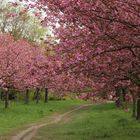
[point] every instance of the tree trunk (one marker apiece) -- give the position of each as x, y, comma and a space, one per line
34, 96
138, 109
6, 99
1, 95
138, 106
46, 95
37, 95
134, 104
119, 96
134, 107
27, 97
123, 94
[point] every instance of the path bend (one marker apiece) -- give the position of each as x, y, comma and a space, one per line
30, 132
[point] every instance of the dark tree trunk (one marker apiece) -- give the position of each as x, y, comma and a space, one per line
134, 107
1, 95
37, 95
6, 99
123, 94
138, 109
46, 95
34, 96
124, 101
134, 104
27, 97
119, 96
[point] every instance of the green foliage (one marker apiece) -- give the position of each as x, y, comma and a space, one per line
24, 25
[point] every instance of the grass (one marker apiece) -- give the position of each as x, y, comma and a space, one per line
99, 122
19, 115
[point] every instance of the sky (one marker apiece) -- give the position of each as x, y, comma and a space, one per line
3, 1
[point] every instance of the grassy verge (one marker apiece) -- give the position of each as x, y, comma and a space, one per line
100, 122
19, 115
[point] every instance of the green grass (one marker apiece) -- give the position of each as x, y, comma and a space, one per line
19, 115
100, 122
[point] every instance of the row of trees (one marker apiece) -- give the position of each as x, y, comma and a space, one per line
24, 53
98, 47
20, 64
99, 39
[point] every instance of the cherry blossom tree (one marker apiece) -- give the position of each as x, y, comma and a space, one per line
20, 63
99, 39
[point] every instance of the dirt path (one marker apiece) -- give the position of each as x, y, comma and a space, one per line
28, 133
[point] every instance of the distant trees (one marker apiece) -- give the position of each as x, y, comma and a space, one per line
24, 67
23, 45
17, 65
21, 24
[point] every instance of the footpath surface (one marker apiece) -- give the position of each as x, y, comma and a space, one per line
30, 132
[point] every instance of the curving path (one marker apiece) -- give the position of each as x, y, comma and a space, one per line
29, 133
